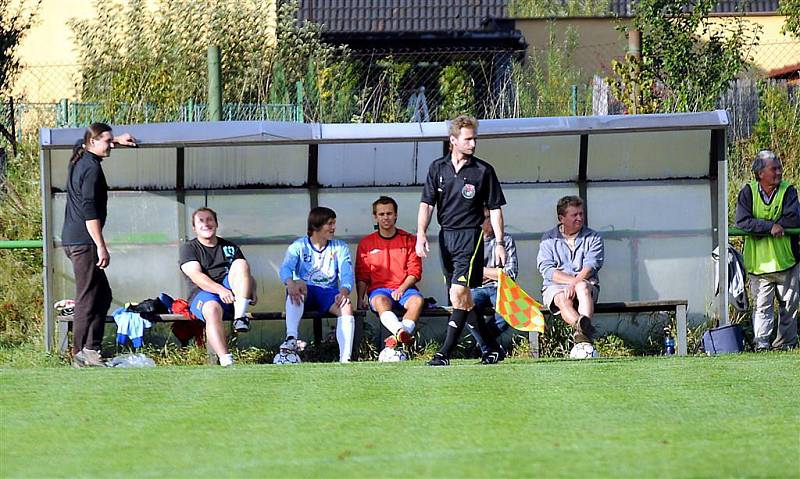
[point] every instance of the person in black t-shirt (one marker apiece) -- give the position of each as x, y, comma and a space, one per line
83, 240
460, 185
220, 282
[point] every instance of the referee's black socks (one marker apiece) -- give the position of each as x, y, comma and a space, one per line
454, 328
488, 334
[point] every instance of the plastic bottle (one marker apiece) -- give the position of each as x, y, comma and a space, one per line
669, 345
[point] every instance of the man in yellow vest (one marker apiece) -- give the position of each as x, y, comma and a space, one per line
766, 207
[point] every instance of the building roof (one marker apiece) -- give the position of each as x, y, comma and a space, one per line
393, 16
401, 15
624, 8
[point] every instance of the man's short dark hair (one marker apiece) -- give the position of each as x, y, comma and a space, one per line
204, 208
384, 200
318, 217
566, 202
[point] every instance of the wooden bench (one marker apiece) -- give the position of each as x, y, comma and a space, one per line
621, 307
678, 306
64, 323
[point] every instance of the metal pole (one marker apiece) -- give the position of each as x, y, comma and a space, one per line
299, 105
214, 84
64, 120
47, 256
635, 55
719, 137
20, 244
12, 119
574, 100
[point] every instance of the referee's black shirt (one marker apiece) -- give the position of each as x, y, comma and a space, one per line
460, 198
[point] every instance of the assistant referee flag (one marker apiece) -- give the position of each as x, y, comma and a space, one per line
516, 306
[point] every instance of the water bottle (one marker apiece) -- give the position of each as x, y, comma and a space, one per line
669, 345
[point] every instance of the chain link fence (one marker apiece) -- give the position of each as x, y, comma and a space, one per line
23, 119
743, 103
403, 86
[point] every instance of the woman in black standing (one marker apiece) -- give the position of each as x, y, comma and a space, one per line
83, 241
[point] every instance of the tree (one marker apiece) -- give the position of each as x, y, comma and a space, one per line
154, 59
558, 8
791, 9
686, 60
16, 18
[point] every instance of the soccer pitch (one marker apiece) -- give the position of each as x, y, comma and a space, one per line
727, 416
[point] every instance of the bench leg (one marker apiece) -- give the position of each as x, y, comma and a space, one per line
680, 321
63, 328
533, 338
317, 331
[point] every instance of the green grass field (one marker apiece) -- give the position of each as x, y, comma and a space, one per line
729, 416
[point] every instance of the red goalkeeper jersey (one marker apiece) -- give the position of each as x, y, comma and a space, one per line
386, 262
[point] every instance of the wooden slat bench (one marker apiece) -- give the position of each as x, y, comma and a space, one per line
678, 306
64, 323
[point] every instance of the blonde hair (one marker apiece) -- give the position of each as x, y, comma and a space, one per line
462, 121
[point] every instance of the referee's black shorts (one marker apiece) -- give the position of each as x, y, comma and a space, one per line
462, 256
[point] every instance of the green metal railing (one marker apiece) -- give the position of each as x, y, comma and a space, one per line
733, 231
20, 244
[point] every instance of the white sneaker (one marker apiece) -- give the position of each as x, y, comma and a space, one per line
226, 360
292, 345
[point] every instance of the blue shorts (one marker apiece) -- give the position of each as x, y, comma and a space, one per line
407, 294
320, 299
202, 297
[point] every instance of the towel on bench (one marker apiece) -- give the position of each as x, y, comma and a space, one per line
130, 326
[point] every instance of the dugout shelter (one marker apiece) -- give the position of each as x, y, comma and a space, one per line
655, 187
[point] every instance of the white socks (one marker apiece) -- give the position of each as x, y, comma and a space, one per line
294, 312
226, 360
389, 321
240, 306
345, 328
409, 325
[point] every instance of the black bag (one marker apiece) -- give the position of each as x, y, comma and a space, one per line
726, 339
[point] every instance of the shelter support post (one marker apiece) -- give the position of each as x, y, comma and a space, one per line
47, 252
718, 151
680, 322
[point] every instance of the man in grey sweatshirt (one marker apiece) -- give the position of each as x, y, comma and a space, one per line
570, 255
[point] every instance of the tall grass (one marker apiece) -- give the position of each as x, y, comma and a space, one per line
21, 292
777, 129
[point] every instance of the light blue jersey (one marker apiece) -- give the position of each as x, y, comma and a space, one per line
330, 267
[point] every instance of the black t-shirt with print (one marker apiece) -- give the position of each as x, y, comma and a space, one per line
215, 261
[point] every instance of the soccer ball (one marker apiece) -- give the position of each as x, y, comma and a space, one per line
583, 351
286, 357
391, 355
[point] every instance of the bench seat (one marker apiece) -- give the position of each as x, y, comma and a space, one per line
620, 307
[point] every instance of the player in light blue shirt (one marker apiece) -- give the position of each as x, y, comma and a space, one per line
318, 273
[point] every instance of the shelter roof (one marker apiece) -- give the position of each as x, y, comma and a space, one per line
275, 132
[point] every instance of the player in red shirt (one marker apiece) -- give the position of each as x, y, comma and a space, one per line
387, 271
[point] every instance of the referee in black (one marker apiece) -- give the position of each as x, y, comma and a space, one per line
460, 185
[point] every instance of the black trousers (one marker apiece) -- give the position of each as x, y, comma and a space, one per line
92, 298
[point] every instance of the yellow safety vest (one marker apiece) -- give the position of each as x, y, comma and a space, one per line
767, 254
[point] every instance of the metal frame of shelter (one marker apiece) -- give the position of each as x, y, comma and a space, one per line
179, 136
